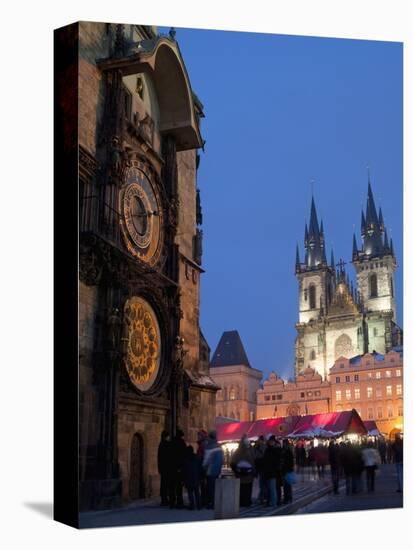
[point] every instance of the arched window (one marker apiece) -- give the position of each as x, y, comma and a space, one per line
373, 285
312, 355
311, 290
232, 394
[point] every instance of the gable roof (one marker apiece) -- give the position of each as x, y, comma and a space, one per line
230, 351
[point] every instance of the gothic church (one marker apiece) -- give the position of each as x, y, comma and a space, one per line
337, 319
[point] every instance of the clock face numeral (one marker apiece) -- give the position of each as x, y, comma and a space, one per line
141, 215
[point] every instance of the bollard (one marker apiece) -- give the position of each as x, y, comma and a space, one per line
226, 498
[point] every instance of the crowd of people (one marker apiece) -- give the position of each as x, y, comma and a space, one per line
274, 463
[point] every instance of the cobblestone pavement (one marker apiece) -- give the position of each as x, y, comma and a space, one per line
385, 496
147, 512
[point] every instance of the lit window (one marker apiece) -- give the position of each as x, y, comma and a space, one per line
356, 393
370, 414
388, 374
390, 412
378, 392
348, 394
398, 372
378, 374
337, 380
347, 378
232, 394
379, 412
369, 375
309, 393
356, 378
338, 395
388, 390
369, 393
398, 389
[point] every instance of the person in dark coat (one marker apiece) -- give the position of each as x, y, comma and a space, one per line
243, 465
287, 468
259, 451
164, 450
333, 458
192, 472
177, 456
202, 442
397, 448
271, 471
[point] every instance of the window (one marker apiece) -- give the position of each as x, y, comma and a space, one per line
342, 365
400, 411
356, 393
391, 287
337, 380
302, 394
388, 391
369, 375
373, 285
369, 392
312, 355
398, 372
356, 378
348, 394
318, 392
267, 397
388, 374
279, 396
338, 395
378, 392
398, 389
378, 375
273, 397
370, 414
374, 331
309, 394
232, 394
305, 294
347, 378
312, 296
379, 412
390, 412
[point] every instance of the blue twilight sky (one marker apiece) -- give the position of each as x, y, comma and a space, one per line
281, 111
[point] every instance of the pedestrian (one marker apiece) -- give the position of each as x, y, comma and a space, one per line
164, 451
397, 448
243, 465
192, 471
371, 460
212, 465
333, 458
356, 467
383, 450
346, 463
259, 451
202, 443
271, 469
321, 459
287, 471
177, 456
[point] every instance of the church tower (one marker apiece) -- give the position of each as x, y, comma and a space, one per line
316, 284
375, 264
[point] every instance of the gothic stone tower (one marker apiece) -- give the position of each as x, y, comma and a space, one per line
143, 364
375, 264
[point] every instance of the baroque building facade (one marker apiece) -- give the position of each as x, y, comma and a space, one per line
238, 381
337, 318
143, 362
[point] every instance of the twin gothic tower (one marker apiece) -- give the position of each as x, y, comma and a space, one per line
337, 319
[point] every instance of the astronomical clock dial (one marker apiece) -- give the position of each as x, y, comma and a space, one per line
143, 343
141, 214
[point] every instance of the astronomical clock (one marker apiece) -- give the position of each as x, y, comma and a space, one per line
141, 214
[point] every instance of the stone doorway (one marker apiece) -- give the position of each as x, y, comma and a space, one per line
136, 479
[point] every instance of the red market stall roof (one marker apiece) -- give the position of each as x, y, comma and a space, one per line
232, 431
329, 425
280, 427
372, 428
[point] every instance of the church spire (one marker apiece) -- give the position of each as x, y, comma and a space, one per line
355, 249
332, 262
372, 227
314, 240
297, 260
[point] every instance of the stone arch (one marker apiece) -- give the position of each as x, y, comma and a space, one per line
343, 347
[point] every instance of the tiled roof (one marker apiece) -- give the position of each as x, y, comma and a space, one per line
230, 351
